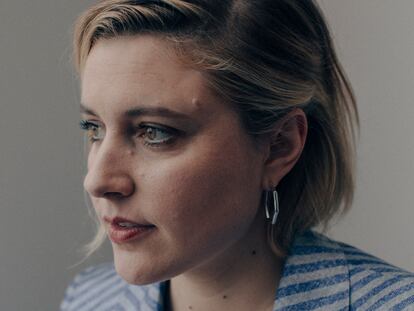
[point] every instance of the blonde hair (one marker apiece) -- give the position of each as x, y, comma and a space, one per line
265, 57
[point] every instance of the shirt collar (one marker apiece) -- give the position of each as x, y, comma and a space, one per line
315, 274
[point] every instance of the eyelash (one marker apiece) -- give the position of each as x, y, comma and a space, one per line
89, 126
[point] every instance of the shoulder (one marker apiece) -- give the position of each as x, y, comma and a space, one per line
101, 288
377, 284
372, 284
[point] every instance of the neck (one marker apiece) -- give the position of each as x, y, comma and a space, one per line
244, 277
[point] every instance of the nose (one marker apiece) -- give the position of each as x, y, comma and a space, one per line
108, 172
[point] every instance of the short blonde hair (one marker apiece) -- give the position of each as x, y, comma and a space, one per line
265, 57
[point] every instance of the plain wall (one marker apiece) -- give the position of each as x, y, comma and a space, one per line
375, 41
43, 218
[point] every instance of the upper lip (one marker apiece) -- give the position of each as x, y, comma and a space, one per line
116, 220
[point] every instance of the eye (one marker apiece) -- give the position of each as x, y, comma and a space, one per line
93, 131
152, 135
155, 135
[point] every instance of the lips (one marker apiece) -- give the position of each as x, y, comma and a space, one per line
118, 221
122, 230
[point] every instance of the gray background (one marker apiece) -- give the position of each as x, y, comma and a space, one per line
43, 218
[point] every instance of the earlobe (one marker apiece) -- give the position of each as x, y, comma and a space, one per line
285, 146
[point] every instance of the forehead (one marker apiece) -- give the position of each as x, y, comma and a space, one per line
140, 69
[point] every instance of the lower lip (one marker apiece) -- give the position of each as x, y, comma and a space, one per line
121, 235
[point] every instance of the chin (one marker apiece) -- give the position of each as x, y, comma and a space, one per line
136, 270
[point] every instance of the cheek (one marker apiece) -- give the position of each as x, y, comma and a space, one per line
205, 193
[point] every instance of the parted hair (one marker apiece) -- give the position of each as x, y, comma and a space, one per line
265, 58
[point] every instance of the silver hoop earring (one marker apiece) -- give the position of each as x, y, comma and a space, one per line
275, 206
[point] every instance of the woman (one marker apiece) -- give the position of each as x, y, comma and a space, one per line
203, 118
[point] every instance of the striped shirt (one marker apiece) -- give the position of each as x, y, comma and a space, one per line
318, 274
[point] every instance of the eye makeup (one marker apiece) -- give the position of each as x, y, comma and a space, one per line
152, 135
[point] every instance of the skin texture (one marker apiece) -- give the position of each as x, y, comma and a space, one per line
201, 191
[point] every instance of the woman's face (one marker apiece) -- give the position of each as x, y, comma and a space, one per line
168, 153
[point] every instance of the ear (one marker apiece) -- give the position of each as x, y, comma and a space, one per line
284, 146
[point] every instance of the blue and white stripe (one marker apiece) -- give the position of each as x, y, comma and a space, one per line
319, 274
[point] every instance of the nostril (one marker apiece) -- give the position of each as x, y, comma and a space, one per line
113, 194
109, 186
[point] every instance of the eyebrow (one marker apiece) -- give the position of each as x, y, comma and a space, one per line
143, 111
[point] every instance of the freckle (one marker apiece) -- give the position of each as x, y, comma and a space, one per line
190, 307
196, 103
224, 297
253, 252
